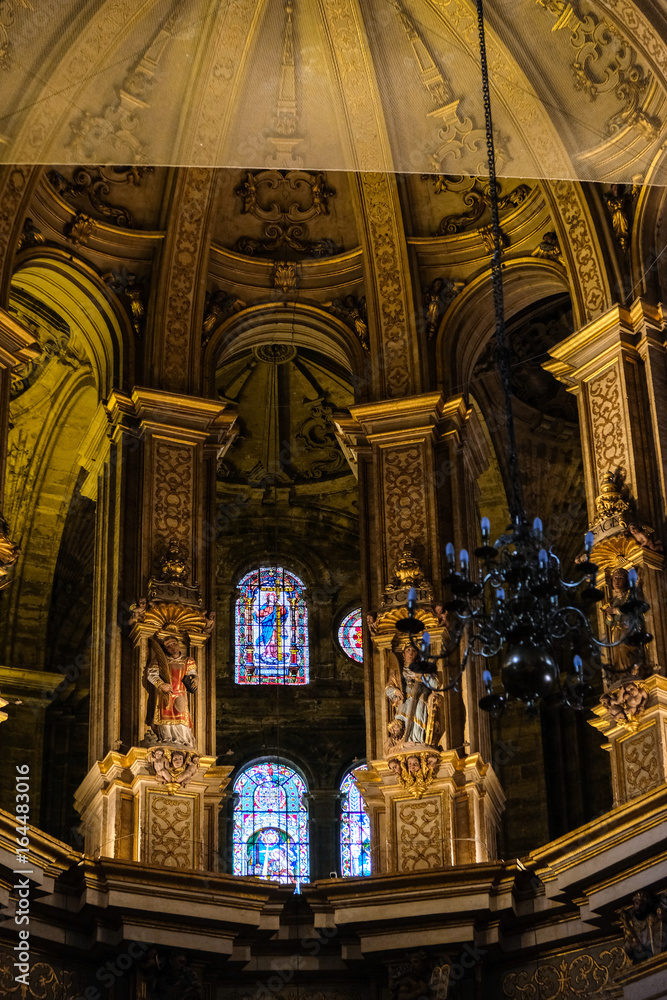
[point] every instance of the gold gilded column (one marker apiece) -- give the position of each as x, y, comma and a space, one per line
617, 368
428, 785
151, 460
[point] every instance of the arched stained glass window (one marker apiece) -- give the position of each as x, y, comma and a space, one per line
271, 628
271, 824
350, 635
355, 830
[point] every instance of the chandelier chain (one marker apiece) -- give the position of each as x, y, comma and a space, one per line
515, 500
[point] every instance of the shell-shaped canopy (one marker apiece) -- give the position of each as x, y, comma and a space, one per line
578, 89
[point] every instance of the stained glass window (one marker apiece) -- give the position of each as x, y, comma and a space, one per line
355, 830
350, 635
271, 627
271, 824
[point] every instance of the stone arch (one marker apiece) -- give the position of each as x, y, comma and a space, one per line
286, 323
648, 274
75, 291
469, 322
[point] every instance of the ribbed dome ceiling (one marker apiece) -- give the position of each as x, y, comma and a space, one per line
579, 90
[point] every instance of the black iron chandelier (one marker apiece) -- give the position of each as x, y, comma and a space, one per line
520, 609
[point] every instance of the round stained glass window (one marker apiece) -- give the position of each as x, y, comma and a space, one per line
350, 635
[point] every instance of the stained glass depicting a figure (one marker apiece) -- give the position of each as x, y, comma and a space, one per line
355, 830
271, 628
271, 824
350, 635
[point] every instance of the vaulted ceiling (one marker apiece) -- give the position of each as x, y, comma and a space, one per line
579, 89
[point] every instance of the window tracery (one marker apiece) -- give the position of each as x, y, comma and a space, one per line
271, 824
350, 635
355, 829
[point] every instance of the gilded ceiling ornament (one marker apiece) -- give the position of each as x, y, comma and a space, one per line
7, 12
275, 354
437, 296
96, 184
549, 249
353, 313
285, 202
284, 277
605, 62
80, 229
219, 306
9, 554
30, 236
620, 204
475, 194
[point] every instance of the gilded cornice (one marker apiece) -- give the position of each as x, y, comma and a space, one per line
156, 410
595, 347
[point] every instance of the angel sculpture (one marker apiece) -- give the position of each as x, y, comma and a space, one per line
172, 675
157, 758
353, 313
437, 297
414, 699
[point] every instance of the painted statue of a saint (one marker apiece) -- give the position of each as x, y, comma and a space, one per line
413, 697
630, 659
171, 675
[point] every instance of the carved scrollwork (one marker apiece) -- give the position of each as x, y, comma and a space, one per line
353, 313
285, 202
582, 976
96, 184
475, 194
605, 62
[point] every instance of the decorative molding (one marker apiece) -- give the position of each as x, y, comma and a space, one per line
96, 184
115, 126
277, 199
640, 762
187, 247
581, 243
405, 514
173, 498
580, 976
385, 236
597, 71
474, 192
457, 136
171, 830
605, 393
7, 14
419, 834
